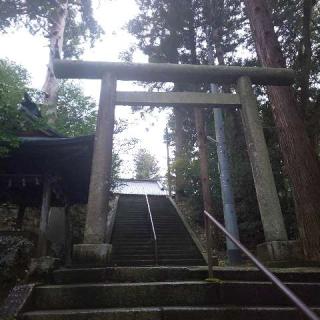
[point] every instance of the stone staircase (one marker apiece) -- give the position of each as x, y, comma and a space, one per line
132, 235
170, 293
164, 292
132, 238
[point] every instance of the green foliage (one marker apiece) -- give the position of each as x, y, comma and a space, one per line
172, 30
76, 113
288, 21
146, 165
13, 81
37, 17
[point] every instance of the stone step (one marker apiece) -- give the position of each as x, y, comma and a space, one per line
174, 243
127, 237
136, 256
133, 217
162, 220
132, 232
179, 259
139, 224
169, 227
123, 250
177, 255
134, 263
134, 245
148, 241
129, 274
173, 240
177, 244
126, 216
145, 224
134, 220
133, 229
138, 227
164, 239
170, 313
177, 231
134, 240
179, 293
142, 246
140, 274
149, 244
123, 236
181, 262
168, 247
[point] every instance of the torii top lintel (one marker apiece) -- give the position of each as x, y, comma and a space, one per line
168, 72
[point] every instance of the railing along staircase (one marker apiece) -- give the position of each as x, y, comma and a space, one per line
209, 219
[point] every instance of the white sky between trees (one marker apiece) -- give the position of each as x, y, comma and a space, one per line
32, 53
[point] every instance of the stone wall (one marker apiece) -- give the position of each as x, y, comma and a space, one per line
30, 224
8, 216
78, 214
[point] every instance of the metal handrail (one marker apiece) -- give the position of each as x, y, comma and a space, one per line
274, 279
155, 242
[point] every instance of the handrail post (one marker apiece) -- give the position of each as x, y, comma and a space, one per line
155, 242
209, 246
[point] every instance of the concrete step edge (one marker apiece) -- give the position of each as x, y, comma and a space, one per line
165, 283
160, 309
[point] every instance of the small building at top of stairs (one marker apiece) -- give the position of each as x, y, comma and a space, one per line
140, 187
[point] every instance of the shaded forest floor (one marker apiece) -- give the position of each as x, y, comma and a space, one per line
194, 217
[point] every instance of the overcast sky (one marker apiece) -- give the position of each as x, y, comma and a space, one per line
32, 53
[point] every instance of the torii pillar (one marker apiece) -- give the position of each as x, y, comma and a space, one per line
276, 246
94, 250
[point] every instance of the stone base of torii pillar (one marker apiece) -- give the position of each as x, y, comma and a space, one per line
95, 254
280, 251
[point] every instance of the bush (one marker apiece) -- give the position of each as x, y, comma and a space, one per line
15, 255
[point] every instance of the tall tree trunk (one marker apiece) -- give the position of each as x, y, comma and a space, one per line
299, 157
203, 157
168, 162
200, 127
179, 153
56, 32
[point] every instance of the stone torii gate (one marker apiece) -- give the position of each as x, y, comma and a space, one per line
94, 249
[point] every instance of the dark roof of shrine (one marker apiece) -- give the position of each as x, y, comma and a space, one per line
66, 159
